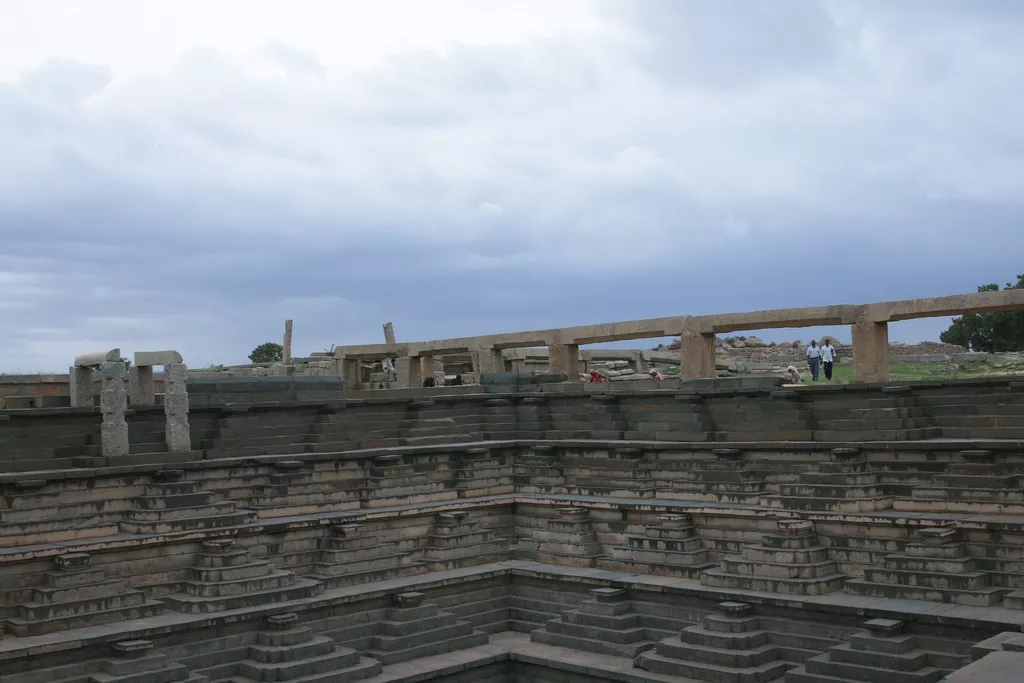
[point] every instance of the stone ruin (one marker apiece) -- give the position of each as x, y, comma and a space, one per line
719, 530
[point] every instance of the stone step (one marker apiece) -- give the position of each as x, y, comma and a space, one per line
192, 604
606, 635
269, 580
217, 575
931, 565
927, 579
22, 627
75, 606
983, 597
576, 642
902, 661
365, 668
343, 658
368, 575
821, 664
734, 564
817, 586
196, 523
675, 648
288, 651
712, 672
428, 649
180, 513
867, 504
724, 640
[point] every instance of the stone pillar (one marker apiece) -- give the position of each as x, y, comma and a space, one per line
487, 360
176, 430
141, 387
697, 350
389, 333
350, 373
871, 351
426, 367
113, 405
286, 353
81, 387
564, 359
408, 370
638, 361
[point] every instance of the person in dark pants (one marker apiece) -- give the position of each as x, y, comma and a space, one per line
828, 357
814, 359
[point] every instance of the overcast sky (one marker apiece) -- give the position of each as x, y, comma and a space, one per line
188, 174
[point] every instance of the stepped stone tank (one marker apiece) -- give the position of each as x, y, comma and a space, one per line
724, 530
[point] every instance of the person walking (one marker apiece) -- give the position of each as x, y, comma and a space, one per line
814, 359
828, 357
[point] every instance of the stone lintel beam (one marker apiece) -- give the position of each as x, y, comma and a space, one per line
151, 358
97, 358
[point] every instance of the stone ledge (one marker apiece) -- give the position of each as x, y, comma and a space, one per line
993, 618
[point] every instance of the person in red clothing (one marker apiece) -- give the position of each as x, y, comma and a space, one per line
596, 376
656, 376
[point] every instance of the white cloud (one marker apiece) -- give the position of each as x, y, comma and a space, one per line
422, 160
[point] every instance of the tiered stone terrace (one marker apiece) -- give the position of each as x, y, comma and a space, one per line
723, 531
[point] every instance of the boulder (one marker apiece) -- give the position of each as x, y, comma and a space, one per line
754, 342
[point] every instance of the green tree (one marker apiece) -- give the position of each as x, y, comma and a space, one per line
269, 352
1000, 331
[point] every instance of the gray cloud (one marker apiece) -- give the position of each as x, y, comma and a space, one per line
699, 157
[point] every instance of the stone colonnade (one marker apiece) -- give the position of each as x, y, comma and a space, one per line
141, 387
869, 323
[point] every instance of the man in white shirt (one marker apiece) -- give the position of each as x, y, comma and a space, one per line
814, 359
828, 357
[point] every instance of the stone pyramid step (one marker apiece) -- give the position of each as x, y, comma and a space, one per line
711, 672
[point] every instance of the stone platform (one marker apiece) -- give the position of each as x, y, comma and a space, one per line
329, 541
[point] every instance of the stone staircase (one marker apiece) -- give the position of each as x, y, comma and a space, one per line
728, 476
47, 511
783, 417
539, 470
77, 595
936, 568
729, 645
567, 538
882, 652
844, 484
622, 472
683, 419
482, 472
983, 482
391, 481
135, 662
605, 624
790, 561
288, 652
295, 488
413, 629
351, 556
172, 504
597, 418
457, 541
671, 547
226, 578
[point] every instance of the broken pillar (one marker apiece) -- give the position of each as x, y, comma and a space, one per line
81, 387
389, 333
487, 359
407, 368
141, 388
697, 350
349, 371
871, 351
113, 406
286, 351
564, 359
176, 429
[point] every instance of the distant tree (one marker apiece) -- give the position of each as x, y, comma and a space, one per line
270, 352
1001, 331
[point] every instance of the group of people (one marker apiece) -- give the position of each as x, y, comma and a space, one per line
818, 358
